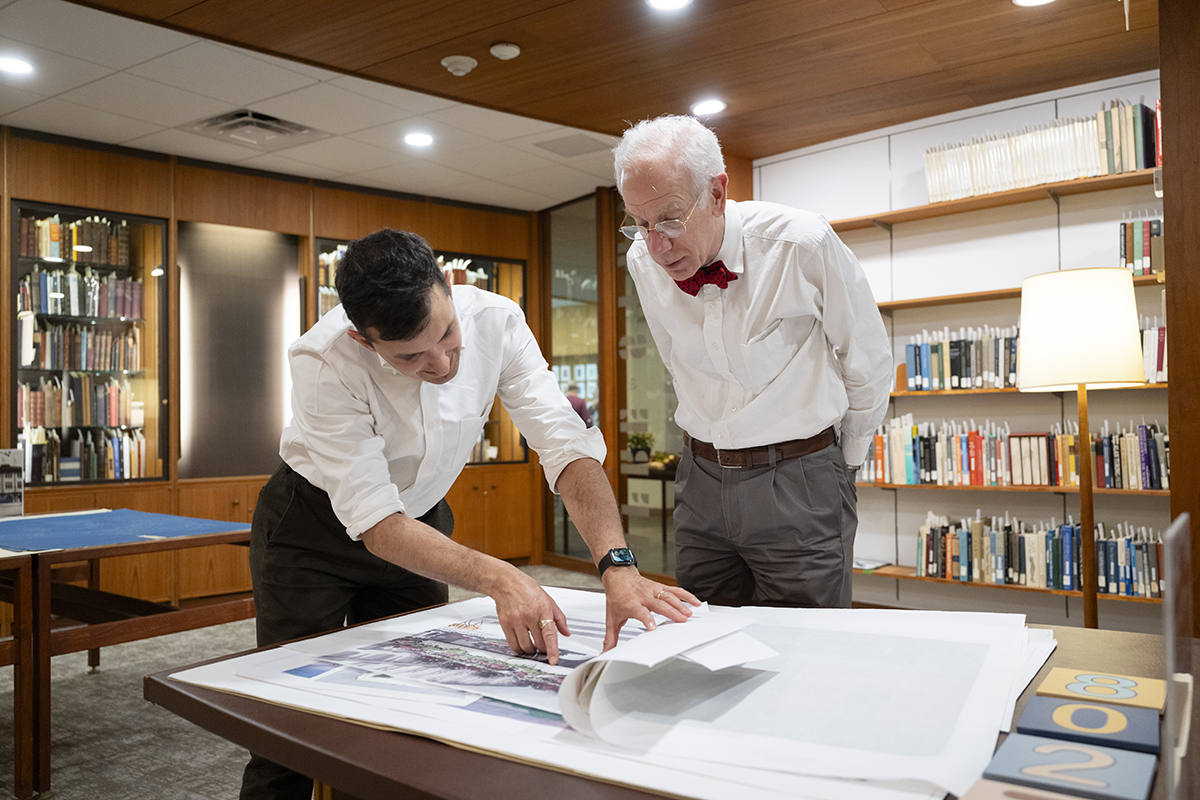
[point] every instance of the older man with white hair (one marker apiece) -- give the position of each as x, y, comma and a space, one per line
781, 363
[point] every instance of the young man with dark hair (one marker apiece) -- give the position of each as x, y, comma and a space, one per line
390, 393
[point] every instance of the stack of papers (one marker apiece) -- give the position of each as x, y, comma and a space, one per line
749, 702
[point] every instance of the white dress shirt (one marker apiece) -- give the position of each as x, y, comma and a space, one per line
793, 346
379, 442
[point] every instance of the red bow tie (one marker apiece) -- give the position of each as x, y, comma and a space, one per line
714, 273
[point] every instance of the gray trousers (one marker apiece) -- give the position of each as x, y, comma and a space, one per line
778, 536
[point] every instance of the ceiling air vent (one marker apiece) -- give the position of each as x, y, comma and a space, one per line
577, 144
252, 129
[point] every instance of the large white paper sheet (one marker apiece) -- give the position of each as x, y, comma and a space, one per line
863, 704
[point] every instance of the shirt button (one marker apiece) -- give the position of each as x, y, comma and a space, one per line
733, 408
712, 304
720, 436
714, 345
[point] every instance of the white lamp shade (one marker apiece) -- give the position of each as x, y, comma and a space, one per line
1079, 326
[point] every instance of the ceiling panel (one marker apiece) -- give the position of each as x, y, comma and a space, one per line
221, 72
133, 96
69, 119
86, 34
793, 73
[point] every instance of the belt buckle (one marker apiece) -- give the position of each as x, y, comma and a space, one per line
722, 464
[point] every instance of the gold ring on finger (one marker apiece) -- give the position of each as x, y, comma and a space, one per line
543, 623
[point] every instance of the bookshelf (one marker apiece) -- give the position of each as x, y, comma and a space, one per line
1032, 502
88, 347
1026, 194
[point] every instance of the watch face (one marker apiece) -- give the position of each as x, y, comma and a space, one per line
622, 557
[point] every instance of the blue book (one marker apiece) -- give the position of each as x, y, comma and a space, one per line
964, 555
1052, 581
1101, 567
1044, 763
1132, 581
910, 360
44, 280
925, 372
1110, 547
1126, 727
1068, 558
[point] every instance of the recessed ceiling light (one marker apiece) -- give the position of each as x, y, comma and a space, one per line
156, 272
418, 139
1031, 2
668, 5
706, 107
15, 65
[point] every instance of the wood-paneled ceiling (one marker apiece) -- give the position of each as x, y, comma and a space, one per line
794, 72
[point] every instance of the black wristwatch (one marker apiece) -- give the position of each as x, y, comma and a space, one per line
617, 557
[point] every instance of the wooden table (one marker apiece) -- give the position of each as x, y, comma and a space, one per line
104, 619
374, 764
16, 587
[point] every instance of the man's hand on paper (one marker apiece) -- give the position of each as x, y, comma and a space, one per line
530, 618
633, 597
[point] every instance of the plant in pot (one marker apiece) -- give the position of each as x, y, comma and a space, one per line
640, 445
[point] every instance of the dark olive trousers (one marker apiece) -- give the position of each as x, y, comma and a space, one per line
310, 577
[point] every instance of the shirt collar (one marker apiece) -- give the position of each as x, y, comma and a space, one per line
731, 246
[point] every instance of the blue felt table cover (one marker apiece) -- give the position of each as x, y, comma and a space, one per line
121, 526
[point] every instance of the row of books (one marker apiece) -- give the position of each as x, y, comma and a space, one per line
1006, 551
327, 264
1141, 245
1154, 350
80, 347
92, 240
977, 358
327, 299
91, 454
92, 294
1120, 138
1129, 136
963, 454
84, 401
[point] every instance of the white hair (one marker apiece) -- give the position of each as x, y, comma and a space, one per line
672, 140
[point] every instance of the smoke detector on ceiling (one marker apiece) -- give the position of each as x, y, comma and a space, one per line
252, 129
505, 51
459, 65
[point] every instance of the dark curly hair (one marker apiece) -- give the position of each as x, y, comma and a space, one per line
384, 281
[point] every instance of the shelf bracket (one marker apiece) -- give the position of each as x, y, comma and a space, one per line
887, 226
1053, 196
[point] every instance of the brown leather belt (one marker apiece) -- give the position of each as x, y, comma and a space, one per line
760, 456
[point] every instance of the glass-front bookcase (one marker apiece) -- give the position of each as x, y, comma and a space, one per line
89, 347
500, 441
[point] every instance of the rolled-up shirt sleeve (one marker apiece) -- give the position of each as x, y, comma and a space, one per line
340, 442
855, 332
541, 411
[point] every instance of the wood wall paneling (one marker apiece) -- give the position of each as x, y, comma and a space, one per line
7, 306
50, 172
342, 214
246, 201
1180, 80
741, 178
480, 232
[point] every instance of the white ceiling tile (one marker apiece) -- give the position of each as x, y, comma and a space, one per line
495, 125
343, 155
599, 165
529, 144
487, 159
11, 99
556, 181
329, 108
52, 72
495, 194
131, 96
404, 99
85, 33
273, 162
316, 73
415, 177
190, 145
224, 73
69, 119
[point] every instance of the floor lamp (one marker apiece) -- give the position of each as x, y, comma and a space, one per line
1079, 330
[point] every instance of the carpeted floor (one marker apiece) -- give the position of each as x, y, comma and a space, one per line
110, 744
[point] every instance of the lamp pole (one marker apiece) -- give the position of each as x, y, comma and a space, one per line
1087, 527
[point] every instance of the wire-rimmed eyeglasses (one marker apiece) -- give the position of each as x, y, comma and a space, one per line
670, 228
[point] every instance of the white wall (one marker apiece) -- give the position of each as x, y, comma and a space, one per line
977, 251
